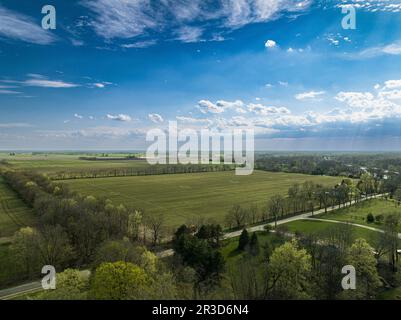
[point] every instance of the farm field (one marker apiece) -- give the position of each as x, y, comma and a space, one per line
14, 214
357, 213
180, 197
53, 163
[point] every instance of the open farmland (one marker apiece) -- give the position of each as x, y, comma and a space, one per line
56, 163
14, 214
182, 196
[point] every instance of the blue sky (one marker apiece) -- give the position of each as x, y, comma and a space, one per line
114, 69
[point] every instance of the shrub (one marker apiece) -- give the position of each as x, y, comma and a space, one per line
370, 218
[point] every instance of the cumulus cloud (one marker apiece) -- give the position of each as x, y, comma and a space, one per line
206, 106
119, 117
270, 44
78, 116
392, 84
356, 99
263, 110
156, 118
309, 95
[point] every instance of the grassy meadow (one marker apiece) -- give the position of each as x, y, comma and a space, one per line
358, 212
179, 197
310, 227
55, 163
14, 213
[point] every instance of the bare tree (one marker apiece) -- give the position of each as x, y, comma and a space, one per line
236, 216
156, 225
275, 206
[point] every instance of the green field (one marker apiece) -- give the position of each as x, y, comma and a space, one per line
14, 214
357, 213
309, 227
54, 163
182, 196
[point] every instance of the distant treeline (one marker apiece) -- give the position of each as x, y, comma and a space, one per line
110, 158
138, 171
347, 165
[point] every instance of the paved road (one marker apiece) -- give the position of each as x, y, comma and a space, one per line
261, 227
31, 287
36, 286
350, 223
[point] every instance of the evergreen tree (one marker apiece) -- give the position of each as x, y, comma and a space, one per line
254, 245
243, 240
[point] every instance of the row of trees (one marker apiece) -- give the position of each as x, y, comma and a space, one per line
71, 227
304, 197
138, 171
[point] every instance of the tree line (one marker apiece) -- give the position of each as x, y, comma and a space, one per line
138, 171
305, 197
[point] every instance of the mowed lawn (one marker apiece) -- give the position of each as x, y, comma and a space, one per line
182, 196
14, 213
358, 213
310, 227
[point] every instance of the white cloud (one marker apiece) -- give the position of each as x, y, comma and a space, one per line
187, 18
17, 26
193, 120
206, 106
119, 117
78, 116
283, 83
44, 83
270, 44
156, 118
15, 125
263, 110
309, 95
139, 44
356, 99
120, 18
189, 34
392, 84
2, 91
390, 49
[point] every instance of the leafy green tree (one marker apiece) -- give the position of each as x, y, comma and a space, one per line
243, 240
71, 284
25, 251
119, 281
361, 257
289, 273
54, 247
